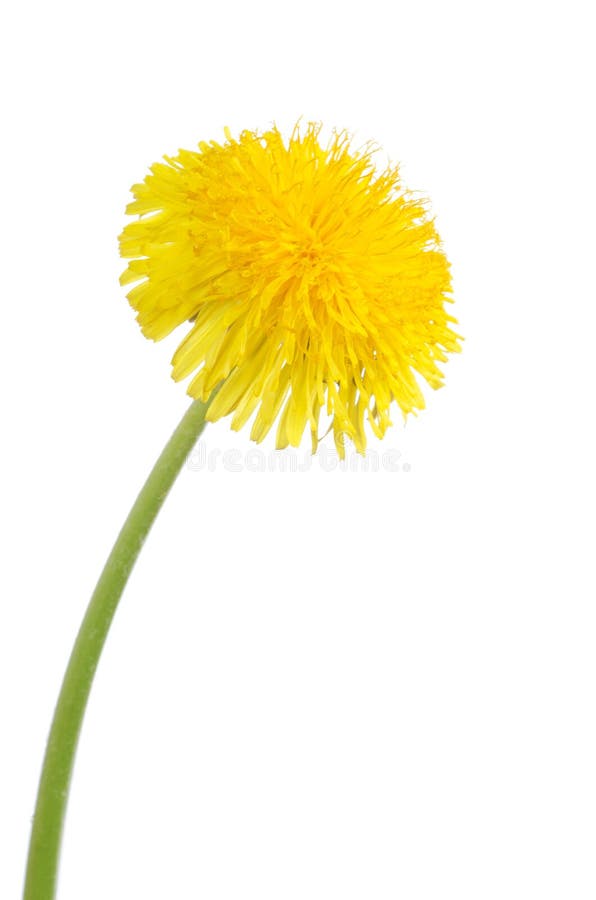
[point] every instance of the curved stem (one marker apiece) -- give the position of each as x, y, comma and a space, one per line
52, 796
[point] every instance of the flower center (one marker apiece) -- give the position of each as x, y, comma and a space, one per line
311, 254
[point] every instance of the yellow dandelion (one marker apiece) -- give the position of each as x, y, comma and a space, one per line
313, 283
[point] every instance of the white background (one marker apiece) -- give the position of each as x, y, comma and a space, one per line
320, 684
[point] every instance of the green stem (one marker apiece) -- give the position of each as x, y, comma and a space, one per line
52, 796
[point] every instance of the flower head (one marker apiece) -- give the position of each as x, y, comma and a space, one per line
312, 282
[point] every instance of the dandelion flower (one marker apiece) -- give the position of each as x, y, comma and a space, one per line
314, 284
